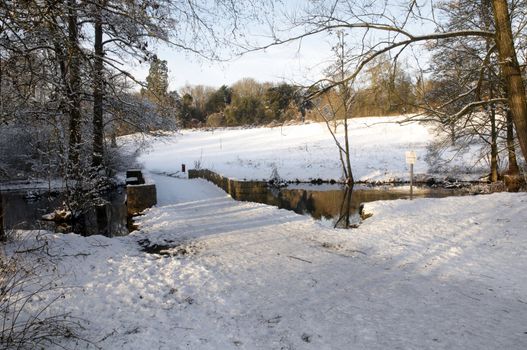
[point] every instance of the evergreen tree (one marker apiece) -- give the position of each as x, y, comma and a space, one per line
157, 80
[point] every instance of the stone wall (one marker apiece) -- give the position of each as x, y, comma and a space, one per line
139, 196
254, 191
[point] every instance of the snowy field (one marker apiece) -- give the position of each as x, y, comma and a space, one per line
423, 274
308, 151
220, 274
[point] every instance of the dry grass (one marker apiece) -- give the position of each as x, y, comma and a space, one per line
30, 298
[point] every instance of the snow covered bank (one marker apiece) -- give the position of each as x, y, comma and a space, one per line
427, 274
306, 152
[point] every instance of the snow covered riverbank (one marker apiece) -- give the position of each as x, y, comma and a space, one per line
424, 274
308, 151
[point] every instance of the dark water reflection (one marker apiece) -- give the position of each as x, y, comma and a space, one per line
24, 210
339, 205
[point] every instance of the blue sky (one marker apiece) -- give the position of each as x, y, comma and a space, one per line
296, 62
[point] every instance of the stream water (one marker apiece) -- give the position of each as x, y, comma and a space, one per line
336, 204
24, 209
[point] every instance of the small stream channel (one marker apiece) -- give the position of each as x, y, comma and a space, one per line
333, 204
23, 209
337, 205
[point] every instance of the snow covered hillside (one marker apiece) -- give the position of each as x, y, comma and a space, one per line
307, 152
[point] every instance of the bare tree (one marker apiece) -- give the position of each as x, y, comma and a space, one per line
466, 73
62, 64
98, 86
390, 27
511, 70
341, 108
71, 66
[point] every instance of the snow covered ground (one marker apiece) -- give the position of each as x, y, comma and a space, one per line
207, 272
308, 151
423, 274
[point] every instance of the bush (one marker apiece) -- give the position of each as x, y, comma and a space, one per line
216, 120
27, 297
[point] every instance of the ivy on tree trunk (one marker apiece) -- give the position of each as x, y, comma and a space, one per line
511, 71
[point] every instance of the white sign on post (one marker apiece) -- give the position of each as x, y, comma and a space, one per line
410, 157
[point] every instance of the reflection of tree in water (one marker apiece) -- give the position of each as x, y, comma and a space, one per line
345, 209
23, 212
318, 204
341, 205
337, 205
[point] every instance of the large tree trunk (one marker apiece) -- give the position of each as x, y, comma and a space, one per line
487, 21
74, 86
493, 147
2, 232
98, 92
512, 177
513, 164
511, 71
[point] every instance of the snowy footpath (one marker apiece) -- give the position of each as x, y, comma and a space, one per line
423, 274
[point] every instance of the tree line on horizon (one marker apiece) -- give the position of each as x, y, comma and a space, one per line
249, 102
